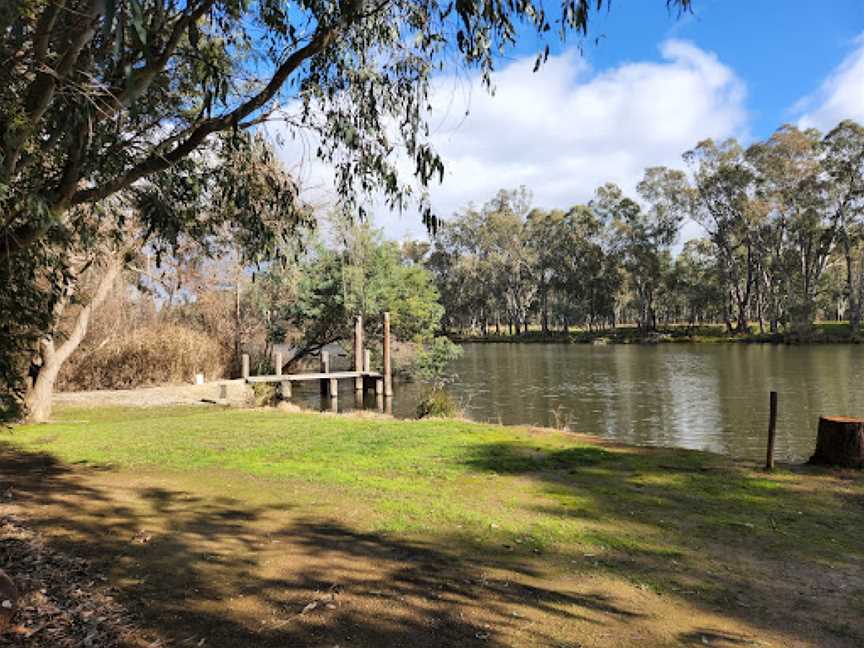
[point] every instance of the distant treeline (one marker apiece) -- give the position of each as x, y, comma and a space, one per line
783, 245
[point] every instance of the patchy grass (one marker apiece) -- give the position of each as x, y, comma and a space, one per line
716, 535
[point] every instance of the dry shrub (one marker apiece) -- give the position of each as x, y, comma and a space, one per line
150, 355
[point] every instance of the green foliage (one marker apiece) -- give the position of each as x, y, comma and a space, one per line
784, 224
320, 294
433, 360
438, 403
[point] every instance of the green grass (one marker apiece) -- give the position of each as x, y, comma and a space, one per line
480, 483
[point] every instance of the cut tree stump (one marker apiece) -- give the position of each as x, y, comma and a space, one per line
840, 442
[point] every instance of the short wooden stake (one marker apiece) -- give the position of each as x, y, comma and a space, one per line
286, 389
245, 369
772, 431
278, 366
388, 378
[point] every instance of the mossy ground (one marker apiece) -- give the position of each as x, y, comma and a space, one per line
662, 546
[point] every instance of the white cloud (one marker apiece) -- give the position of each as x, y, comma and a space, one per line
565, 130
841, 95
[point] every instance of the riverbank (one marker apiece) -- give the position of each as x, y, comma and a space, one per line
224, 527
823, 333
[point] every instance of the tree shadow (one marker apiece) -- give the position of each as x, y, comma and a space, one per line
229, 573
782, 555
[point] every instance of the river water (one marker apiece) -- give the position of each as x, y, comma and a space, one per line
700, 396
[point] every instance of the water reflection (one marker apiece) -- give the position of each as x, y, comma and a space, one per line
702, 396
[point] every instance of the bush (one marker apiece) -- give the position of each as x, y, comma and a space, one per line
437, 403
265, 394
151, 355
433, 361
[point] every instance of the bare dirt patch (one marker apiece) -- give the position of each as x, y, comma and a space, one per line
185, 394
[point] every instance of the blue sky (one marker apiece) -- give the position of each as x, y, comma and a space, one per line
643, 88
781, 49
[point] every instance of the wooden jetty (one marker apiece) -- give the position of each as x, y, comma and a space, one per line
364, 378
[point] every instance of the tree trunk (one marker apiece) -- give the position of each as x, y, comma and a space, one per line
840, 442
39, 397
545, 321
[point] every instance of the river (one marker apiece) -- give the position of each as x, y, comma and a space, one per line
699, 396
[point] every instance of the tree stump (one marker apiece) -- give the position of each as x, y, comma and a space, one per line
8, 600
840, 442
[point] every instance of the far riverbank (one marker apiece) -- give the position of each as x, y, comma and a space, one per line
822, 333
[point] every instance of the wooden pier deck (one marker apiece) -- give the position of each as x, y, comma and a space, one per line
364, 378
337, 375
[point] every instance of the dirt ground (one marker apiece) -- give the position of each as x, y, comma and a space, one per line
187, 394
196, 567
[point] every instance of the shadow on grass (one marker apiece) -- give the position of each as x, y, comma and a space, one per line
782, 553
219, 572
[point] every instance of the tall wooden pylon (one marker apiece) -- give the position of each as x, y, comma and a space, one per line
358, 352
388, 378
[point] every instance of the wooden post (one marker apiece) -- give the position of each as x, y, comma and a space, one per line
287, 391
772, 431
334, 388
358, 351
379, 386
325, 368
245, 370
388, 378
367, 361
278, 364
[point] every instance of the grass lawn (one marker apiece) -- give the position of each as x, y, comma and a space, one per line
267, 528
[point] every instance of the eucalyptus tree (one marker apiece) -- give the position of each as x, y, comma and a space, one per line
544, 231
727, 208
844, 164
240, 193
795, 190
510, 258
698, 281
643, 236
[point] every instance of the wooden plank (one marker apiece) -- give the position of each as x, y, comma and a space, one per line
338, 375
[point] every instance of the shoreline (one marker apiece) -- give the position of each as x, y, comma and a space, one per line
823, 334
